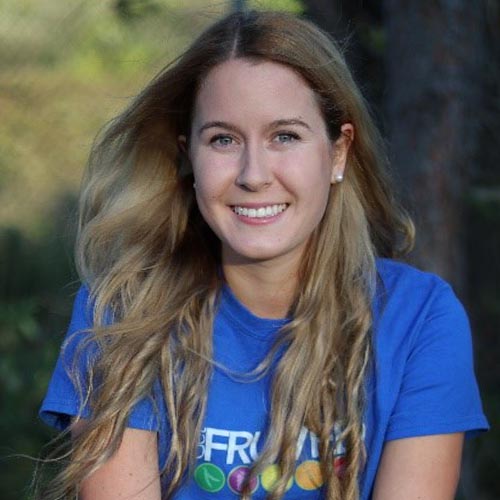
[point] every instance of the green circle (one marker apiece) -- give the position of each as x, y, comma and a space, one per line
209, 477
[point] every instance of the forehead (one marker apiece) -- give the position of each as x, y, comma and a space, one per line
241, 88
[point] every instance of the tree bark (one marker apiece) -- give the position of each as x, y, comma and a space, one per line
433, 63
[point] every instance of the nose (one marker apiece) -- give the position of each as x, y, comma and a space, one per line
255, 173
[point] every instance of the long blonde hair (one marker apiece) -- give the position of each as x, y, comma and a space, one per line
147, 255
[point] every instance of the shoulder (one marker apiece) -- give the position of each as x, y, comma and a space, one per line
414, 308
404, 289
396, 274
82, 315
79, 342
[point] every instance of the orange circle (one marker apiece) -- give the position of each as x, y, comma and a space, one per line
308, 475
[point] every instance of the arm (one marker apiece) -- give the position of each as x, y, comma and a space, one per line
420, 468
132, 473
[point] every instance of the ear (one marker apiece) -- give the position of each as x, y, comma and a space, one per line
341, 149
182, 143
185, 167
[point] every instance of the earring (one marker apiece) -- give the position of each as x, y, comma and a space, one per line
338, 178
194, 185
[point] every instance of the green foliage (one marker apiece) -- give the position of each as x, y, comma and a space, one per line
67, 68
34, 308
130, 10
295, 6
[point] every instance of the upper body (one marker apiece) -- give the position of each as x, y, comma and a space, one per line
233, 225
421, 383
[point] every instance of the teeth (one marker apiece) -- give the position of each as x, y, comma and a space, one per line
269, 211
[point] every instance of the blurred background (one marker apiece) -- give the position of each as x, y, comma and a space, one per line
430, 71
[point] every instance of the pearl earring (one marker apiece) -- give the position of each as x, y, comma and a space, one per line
338, 178
194, 185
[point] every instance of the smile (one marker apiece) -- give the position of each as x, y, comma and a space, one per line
261, 212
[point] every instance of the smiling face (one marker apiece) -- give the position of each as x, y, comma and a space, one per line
262, 160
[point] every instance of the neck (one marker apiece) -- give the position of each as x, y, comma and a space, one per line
266, 289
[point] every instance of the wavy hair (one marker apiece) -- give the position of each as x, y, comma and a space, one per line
147, 255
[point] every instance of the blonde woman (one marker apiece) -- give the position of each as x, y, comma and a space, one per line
242, 330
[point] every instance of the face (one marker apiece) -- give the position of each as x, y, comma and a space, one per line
262, 160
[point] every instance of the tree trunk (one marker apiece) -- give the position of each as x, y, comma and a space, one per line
433, 62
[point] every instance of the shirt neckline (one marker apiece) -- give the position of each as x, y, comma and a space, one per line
246, 321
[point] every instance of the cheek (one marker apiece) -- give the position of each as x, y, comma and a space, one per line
212, 175
206, 179
309, 175
212, 188
209, 187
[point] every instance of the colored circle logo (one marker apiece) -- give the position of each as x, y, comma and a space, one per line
237, 477
308, 475
270, 476
209, 477
339, 465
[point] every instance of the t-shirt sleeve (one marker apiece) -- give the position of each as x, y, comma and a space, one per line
439, 393
64, 399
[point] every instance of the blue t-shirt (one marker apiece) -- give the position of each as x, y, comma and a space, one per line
421, 382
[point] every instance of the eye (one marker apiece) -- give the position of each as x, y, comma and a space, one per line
222, 140
286, 137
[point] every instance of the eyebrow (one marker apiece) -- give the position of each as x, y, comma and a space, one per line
276, 123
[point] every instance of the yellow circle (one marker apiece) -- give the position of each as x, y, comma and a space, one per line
270, 476
308, 475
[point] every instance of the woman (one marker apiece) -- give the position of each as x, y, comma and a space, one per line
242, 330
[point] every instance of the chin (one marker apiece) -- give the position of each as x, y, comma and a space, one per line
254, 255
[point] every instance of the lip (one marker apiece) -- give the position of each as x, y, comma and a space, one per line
258, 221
